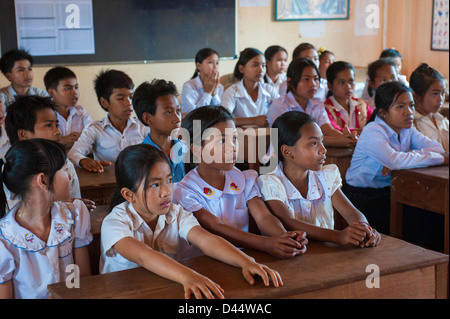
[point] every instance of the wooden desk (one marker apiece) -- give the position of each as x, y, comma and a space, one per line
444, 110
97, 186
325, 271
425, 188
341, 157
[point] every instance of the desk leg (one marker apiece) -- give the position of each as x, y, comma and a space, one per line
396, 218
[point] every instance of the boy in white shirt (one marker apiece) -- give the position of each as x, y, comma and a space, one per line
61, 84
17, 66
110, 135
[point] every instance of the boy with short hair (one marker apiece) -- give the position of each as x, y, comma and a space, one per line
117, 130
35, 117
156, 105
17, 66
61, 84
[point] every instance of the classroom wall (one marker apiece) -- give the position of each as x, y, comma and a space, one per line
257, 28
409, 31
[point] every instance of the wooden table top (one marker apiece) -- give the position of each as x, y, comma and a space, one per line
89, 179
323, 266
435, 172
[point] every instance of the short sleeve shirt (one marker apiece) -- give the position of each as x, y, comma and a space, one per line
169, 237
31, 263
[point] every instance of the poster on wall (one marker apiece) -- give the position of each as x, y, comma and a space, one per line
288, 10
439, 31
55, 27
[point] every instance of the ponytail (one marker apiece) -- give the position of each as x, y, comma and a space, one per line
24, 160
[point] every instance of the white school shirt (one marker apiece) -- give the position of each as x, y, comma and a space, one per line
106, 141
169, 237
78, 119
4, 141
31, 263
425, 126
229, 204
237, 101
321, 93
8, 95
349, 117
281, 79
317, 207
193, 95
287, 102
378, 146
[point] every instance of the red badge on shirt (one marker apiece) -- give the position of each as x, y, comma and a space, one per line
234, 187
208, 191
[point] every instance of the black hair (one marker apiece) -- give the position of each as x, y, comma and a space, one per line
295, 70
245, 56
387, 94
272, 50
209, 116
8, 59
202, 55
145, 95
26, 159
288, 125
322, 54
422, 78
22, 114
108, 80
132, 167
374, 66
301, 47
390, 53
56, 74
333, 71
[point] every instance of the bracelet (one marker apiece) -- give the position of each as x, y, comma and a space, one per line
366, 223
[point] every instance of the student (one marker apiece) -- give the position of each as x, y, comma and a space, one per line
145, 229
117, 130
249, 99
343, 109
308, 51
303, 81
397, 57
326, 58
378, 73
204, 87
428, 87
61, 84
4, 140
35, 117
156, 106
388, 142
221, 196
43, 234
276, 64
302, 192
17, 66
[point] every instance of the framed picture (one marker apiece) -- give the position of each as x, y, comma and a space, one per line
288, 10
439, 30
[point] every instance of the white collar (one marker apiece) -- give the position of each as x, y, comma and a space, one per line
314, 189
234, 184
60, 229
